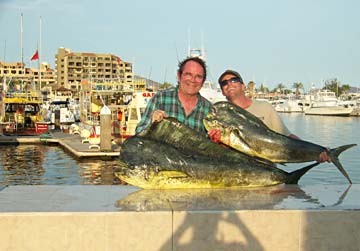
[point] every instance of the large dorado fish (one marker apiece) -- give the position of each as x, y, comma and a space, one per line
171, 155
246, 133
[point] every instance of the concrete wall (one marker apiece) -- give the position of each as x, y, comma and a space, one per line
289, 230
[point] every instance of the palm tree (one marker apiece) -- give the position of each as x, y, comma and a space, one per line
298, 86
280, 87
165, 85
344, 89
263, 88
251, 87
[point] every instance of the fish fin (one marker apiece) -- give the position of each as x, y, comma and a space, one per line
238, 135
173, 174
342, 197
334, 156
294, 176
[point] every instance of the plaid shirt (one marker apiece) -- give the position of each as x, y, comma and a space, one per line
168, 101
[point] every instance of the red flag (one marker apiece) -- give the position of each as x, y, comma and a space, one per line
35, 56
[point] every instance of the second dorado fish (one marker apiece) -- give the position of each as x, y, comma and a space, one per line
246, 133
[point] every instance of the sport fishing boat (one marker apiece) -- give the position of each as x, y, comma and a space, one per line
126, 106
324, 102
212, 94
22, 115
60, 112
289, 104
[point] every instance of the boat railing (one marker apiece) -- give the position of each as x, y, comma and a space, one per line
30, 96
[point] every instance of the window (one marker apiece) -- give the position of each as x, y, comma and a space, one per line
133, 114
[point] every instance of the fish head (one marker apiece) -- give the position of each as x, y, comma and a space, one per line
233, 125
217, 118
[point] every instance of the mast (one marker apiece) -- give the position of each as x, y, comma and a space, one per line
203, 57
189, 47
3, 91
22, 38
40, 54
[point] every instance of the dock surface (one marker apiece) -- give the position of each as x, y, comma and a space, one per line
290, 218
72, 143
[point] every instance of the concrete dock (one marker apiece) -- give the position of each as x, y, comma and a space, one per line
290, 218
71, 143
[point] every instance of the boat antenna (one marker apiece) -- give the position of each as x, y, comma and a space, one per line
133, 73
5, 52
165, 74
177, 53
21, 40
202, 47
102, 100
40, 53
189, 47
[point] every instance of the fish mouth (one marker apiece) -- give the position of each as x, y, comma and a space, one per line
210, 124
211, 114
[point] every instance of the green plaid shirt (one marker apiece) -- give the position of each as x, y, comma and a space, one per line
168, 101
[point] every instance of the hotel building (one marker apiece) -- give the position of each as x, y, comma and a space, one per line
74, 67
17, 74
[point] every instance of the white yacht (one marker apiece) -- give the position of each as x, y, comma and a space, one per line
324, 102
212, 94
287, 105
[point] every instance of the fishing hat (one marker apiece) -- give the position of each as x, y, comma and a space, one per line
235, 73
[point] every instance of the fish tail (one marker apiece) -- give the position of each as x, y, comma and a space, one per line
334, 156
294, 176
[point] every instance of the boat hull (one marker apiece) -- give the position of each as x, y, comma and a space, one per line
329, 111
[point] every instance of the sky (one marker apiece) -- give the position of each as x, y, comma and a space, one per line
269, 42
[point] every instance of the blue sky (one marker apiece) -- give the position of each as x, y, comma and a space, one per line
271, 42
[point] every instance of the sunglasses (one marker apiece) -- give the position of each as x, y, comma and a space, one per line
231, 80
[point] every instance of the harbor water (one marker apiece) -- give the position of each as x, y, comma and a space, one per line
50, 165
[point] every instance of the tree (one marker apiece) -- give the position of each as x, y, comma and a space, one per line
263, 88
251, 87
165, 85
332, 85
335, 86
298, 86
344, 89
280, 87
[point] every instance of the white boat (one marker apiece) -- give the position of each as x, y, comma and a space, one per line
289, 103
133, 113
127, 108
59, 113
324, 102
286, 105
329, 111
211, 94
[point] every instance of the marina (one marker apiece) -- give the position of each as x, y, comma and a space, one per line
55, 188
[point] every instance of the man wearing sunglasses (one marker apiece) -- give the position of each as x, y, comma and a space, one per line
183, 102
233, 88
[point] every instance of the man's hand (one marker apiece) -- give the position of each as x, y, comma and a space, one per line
215, 135
323, 157
158, 115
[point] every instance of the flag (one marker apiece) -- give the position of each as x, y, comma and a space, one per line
35, 56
